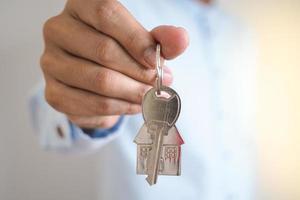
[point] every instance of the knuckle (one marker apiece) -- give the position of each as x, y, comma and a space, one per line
103, 79
104, 107
45, 61
134, 37
104, 48
107, 9
146, 75
51, 26
130, 109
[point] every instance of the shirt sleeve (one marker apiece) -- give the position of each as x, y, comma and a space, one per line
56, 133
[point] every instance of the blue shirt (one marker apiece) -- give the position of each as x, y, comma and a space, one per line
215, 78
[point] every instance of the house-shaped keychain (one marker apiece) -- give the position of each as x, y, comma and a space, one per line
170, 154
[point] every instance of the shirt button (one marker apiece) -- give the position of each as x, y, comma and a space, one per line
60, 132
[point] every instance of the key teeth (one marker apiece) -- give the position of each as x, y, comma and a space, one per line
148, 179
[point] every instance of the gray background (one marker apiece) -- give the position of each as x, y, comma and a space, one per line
26, 172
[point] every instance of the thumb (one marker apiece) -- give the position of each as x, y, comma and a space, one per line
173, 40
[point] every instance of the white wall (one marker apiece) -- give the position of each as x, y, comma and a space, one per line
277, 24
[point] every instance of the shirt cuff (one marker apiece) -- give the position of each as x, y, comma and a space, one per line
96, 133
56, 133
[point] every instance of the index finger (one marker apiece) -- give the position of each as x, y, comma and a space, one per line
112, 18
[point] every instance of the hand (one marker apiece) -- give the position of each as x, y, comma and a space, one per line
99, 61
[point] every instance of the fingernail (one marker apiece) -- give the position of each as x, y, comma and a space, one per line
150, 57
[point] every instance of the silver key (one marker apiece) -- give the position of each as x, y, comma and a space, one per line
160, 114
161, 107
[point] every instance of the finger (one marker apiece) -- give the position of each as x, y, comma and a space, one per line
79, 102
86, 75
113, 19
94, 121
85, 42
173, 40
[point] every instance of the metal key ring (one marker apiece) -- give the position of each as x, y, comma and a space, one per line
159, 70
